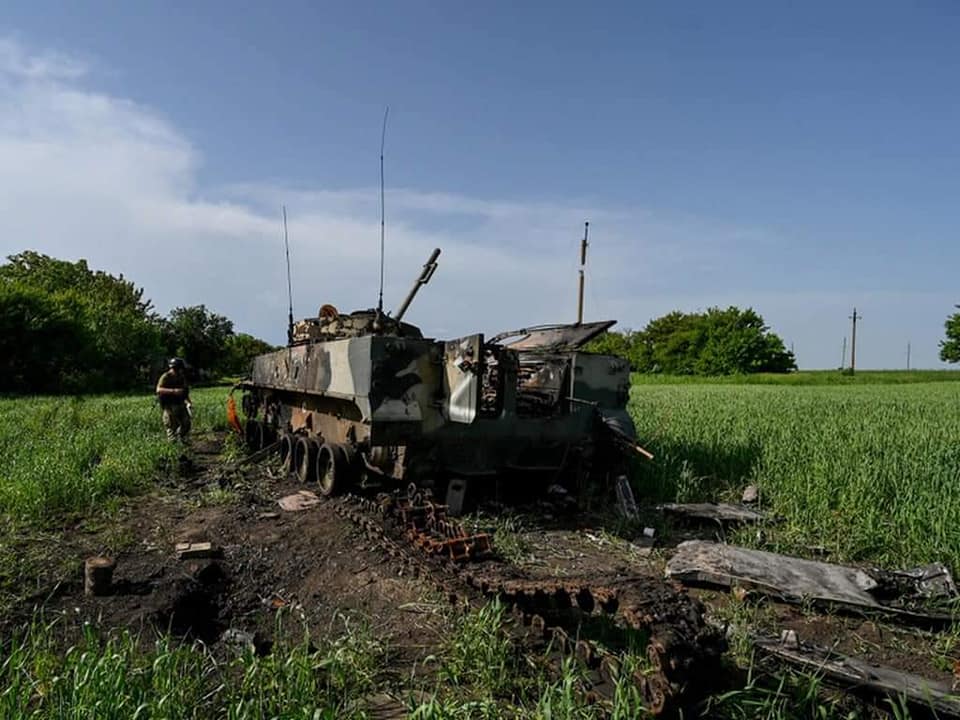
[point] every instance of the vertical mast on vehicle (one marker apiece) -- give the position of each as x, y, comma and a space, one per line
286, 245
383, 138
583, 264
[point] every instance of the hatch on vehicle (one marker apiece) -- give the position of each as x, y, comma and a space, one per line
463, 368
554, 338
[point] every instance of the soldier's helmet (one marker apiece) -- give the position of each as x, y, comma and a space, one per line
175, 363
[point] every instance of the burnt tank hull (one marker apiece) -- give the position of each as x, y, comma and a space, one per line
401, 408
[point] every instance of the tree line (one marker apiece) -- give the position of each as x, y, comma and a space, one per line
67, 328
721, 342
714, 342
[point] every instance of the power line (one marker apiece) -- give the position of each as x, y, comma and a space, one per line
853, 341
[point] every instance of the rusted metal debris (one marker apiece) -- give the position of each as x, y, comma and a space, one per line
862, 677
429, 528
682, 648
794, 580
717, 512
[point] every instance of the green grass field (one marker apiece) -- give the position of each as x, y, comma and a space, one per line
807, 377
869, 471
67, 454
867, 467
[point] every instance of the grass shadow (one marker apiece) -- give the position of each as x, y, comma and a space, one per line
694, 472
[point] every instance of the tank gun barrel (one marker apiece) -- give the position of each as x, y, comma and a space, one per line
428, 269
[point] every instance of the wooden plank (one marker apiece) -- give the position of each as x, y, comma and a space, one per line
193, 550
789, 578
719, 512
858, 675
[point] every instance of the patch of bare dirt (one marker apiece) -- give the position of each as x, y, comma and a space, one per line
560, 552
312, 564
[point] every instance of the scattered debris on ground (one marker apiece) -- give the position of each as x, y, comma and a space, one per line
898, 594
223, 572
298, 501
862, 677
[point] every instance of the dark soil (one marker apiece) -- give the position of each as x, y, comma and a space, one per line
318, 569
313, 565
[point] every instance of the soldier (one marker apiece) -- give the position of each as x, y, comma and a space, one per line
174, 397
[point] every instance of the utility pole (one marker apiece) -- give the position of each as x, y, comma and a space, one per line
583, 264
853, 341
908, 355
843, 354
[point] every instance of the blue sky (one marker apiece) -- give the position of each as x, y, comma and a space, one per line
801, 158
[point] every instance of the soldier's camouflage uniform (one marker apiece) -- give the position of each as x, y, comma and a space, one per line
176, 419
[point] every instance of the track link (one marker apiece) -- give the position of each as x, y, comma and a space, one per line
680, 648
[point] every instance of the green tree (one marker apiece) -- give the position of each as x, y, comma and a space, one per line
737, 342
103, 334
240, 350
671, 344
42, 341
716, 342
950, 347
199, 336
54, 276
613, 343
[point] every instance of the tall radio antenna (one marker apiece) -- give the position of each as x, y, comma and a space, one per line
583, 264
286, 245
383, 138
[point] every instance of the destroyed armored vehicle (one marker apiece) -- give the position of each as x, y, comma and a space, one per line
364, 399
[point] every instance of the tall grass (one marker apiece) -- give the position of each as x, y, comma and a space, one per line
806, 377
481, 673
871, 472
121, 677
61, 454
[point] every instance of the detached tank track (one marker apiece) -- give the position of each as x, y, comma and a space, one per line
682, 651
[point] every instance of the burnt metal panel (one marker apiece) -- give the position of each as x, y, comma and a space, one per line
600, 379
462, 373
554, 338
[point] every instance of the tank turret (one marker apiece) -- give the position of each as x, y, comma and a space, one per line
331, 325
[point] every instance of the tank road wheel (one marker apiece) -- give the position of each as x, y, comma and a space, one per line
326, 470
251, 435
335, 468
265, 435
305, 458
287, 442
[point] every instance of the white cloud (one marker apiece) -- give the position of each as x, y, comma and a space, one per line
16, 62
85, 174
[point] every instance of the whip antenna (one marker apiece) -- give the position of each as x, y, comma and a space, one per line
286, 245
583, 265
383, 137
